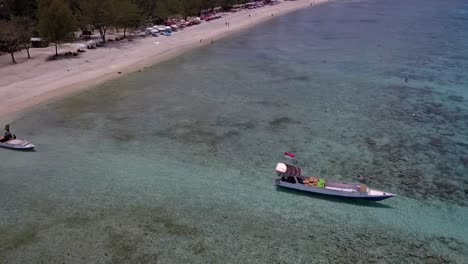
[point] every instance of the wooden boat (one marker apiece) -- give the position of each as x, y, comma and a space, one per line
19, 144
291, 177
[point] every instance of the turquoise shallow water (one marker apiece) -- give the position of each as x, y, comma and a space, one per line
175, 164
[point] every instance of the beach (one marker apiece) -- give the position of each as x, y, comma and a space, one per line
32, 82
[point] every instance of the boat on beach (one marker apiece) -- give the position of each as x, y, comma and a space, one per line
19, 144
292, 177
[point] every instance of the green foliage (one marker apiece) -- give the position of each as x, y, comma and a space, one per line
146, 6
191, 7
15, 34
228, 3
4, 10
99, 14
55, 21
127, 14
208, 4
8, 39
166, 8
18, 8
25, 27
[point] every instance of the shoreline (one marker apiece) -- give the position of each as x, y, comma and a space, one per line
34, 82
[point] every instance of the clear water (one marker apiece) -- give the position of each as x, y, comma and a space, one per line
175, 164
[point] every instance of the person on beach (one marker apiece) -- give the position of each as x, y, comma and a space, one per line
406, 79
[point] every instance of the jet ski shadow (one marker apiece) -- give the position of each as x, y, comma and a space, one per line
23, 150
336, 199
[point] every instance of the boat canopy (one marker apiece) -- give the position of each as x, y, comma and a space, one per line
288, 170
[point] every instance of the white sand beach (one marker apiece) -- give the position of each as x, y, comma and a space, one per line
35, 81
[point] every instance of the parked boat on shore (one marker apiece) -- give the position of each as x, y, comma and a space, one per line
292, 177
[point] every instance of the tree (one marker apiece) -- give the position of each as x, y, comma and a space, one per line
165, 8
5, 9
209, 4
25, 27
146, 6
190, 7
127, 14
18, 8
98, 13
55, 21
9, 38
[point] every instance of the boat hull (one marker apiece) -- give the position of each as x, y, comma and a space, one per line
324, 191
18, 144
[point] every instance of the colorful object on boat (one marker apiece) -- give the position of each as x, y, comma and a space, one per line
321, 183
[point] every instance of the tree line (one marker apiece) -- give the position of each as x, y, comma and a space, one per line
57, 20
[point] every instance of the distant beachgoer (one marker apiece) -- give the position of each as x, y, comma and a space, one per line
212, 42
249, 15
406, 79
200, 40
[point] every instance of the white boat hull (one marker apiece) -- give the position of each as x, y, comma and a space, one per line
19, 144
373, 195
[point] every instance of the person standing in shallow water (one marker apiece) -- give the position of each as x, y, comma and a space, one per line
406, 79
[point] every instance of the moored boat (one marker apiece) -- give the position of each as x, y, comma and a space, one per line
292, 177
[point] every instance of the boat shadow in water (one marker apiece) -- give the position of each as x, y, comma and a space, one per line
19, 150
27, 150
336, 199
